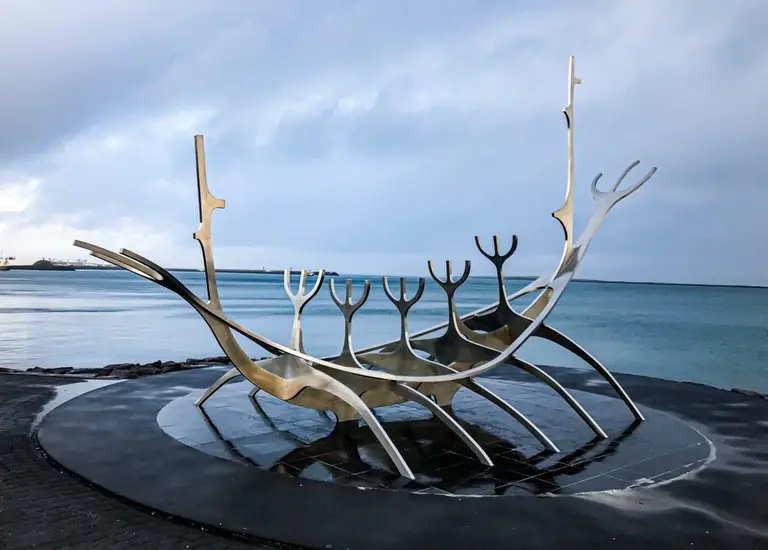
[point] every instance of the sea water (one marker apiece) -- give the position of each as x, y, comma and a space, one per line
712, 335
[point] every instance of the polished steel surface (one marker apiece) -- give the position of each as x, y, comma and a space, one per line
403, 359
462, 348
299, 300
347, 357
352, 383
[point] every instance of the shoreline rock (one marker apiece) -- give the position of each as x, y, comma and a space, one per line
124, 370
750, 393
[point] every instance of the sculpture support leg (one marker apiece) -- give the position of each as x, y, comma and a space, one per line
565, 394
231, 373
557, 337
352, 399
447, 419
517, 415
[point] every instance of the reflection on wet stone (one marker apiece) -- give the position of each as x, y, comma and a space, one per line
270, 434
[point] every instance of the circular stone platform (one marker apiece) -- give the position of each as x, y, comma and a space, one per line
270, 434
275, 471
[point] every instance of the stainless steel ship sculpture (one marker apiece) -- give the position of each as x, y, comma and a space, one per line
355, 381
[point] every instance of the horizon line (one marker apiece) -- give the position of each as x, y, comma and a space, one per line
245, 271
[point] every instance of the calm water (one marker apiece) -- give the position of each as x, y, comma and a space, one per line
716, 336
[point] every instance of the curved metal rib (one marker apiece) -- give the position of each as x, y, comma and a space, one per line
532, 428
404, 359
555, 288
342, 382
566, 343
564, 215
565, 394
347, 357
344, 393
173, 284
460, 345
447, 419
318, 380
505, 324
300, 301
475, 339
216, 386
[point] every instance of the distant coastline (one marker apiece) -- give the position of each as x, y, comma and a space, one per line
614, 282
45, 265
703, 285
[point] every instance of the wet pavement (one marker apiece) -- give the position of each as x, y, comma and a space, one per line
44, 508
279, 437
694, 474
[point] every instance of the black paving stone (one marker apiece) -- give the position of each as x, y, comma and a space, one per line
42, 507
437, 457
683, 513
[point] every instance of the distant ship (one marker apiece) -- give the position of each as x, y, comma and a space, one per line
39, 265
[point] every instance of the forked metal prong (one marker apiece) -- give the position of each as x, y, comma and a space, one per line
497, 258
303, 281
615, 195
402, 304
388, 291
449, 285
624, 175
347, 355
287, 283
432, 272
302, 297
300, 301
318, 285
347, 307
334, 297
595, 192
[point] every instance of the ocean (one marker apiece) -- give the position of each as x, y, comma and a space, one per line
712, 335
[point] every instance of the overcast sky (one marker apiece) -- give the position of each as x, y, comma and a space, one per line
371, 136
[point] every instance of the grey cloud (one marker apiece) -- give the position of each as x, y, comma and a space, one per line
483, 154
72, 65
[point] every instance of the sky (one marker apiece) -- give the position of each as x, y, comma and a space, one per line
370, 137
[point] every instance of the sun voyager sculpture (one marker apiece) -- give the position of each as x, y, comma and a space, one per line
355, 381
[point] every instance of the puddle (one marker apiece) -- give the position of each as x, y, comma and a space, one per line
67, 392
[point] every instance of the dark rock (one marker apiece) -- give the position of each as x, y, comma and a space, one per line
213, 361
172, 366
60, 370
97, 371
145, 370
121, 366
128, 370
